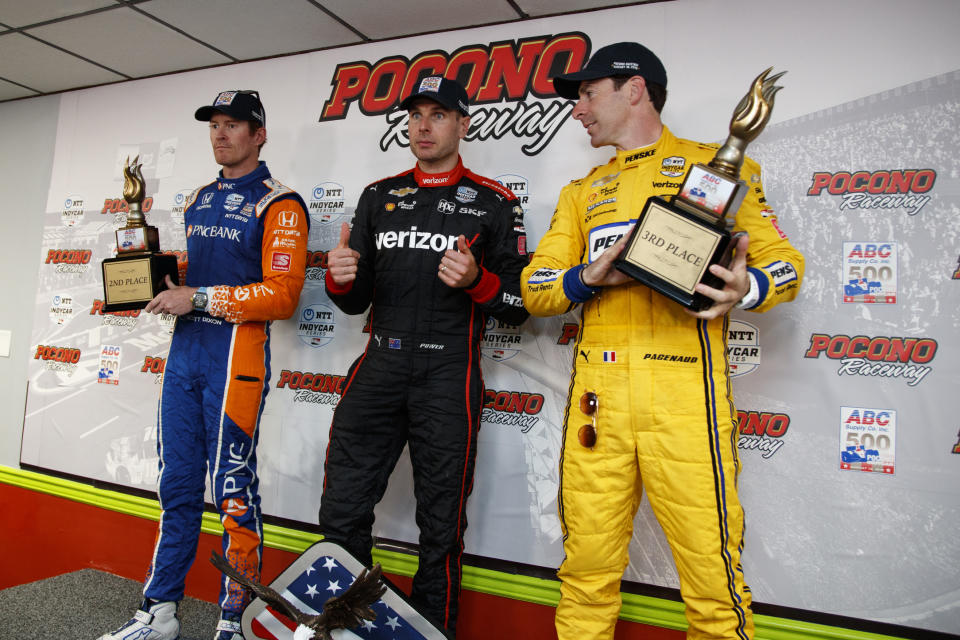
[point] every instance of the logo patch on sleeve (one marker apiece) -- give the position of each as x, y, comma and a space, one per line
280, 261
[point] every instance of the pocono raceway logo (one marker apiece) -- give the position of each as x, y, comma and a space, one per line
126, 319
61, 359
154, 365
762, 431
119, 208
881, 356
512, 408
316, 265
312, 388
497, 72
69, 260
905, 189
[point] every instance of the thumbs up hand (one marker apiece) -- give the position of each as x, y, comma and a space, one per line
458, 269
342, 260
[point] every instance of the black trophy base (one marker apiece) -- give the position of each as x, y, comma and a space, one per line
132, 281
671, 249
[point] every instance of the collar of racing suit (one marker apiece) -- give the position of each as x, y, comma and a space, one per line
231, 184
425, 179
642, 155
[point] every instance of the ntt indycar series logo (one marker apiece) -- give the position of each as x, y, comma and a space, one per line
501, 341
315, 324
520, 187
879, 356
498, 77
743, 348
327, 203
512, 408
906, 189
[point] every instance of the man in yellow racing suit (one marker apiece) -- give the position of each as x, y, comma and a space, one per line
662, 413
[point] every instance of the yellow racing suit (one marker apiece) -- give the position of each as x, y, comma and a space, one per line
665, 417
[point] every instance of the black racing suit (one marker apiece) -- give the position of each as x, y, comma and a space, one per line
419, 380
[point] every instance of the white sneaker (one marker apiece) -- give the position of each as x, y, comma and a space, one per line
152, 621
229, 629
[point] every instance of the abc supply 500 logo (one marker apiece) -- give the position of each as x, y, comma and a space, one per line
868, 439
879, 356
870, 272
497, 72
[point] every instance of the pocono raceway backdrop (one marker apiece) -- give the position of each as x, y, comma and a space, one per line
847, 397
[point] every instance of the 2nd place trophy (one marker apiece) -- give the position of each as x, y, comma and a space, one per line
675, 241
136, 275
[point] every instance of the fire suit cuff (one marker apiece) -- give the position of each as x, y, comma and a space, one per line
487, 287
334, 288
757, 291
575, 288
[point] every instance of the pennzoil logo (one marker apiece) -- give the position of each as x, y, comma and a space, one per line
880, 356
906, 189
512, 408
762, 431
503, 73
313, 388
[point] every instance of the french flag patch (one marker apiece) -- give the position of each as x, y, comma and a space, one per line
609, 356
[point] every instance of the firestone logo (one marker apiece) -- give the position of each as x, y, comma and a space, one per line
905, 189
880, 356
500, 72
512, 408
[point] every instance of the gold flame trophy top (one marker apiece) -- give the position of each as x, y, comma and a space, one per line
133, 192
749, 119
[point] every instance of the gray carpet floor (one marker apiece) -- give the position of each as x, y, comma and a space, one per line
85, 604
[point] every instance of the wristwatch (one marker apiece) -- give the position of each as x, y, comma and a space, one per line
199, 299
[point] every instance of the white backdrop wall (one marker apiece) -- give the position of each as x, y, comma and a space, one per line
857, 99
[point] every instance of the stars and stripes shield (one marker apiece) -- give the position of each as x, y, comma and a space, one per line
323, 571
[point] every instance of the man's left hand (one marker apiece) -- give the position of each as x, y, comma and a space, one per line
737, 284
458, 269
175, 299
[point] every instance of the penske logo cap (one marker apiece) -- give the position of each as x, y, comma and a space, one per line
240, 104
448, 93
620, 59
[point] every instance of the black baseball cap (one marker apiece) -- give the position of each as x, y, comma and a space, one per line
620, 59
448, 93
239, 104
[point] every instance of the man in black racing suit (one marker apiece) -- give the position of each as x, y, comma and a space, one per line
435, 250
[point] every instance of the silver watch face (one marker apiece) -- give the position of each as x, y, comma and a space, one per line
199, 300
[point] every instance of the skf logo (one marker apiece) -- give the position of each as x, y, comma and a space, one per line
491, 73
313, 388
762, 431
884, 189
287, 219
880, 356
119, 205
511, 408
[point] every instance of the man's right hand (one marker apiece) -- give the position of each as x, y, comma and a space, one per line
601, 272
342, 260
